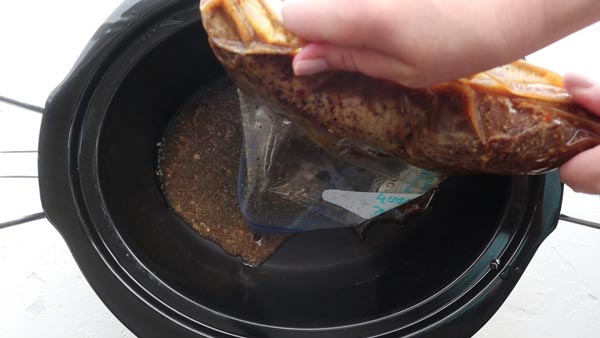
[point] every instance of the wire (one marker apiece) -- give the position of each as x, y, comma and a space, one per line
18, 176
579, 221
18, 151
25, 219
23, 105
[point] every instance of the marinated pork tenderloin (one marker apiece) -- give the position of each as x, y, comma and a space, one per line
514, 119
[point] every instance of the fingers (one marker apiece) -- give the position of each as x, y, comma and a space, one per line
365, 36
585, 92
582, 172
350, 23
410, 42
320, 57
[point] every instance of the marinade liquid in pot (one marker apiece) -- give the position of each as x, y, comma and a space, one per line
198, 164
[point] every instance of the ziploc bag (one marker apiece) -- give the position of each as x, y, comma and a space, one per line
287, 183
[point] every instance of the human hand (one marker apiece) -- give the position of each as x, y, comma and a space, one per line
582, 172
421, 42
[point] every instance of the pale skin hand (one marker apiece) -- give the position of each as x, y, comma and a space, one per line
418, 43
421, 42
582, 172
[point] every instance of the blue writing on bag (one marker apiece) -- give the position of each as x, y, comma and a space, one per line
383, 199
378, 210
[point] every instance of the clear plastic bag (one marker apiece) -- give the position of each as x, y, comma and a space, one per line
287, 183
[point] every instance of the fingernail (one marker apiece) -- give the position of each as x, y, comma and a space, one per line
576, 81
310, 67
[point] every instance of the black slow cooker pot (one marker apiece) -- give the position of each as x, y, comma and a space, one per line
444, 274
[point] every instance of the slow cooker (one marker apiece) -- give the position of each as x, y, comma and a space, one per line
443, 274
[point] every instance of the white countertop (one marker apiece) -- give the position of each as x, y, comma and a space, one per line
42, 291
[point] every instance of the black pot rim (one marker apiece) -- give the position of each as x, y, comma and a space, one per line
122, 281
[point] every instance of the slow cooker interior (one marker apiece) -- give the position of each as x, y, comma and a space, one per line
317, 279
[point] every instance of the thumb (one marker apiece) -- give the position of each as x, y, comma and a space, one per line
320, 57
585, 92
